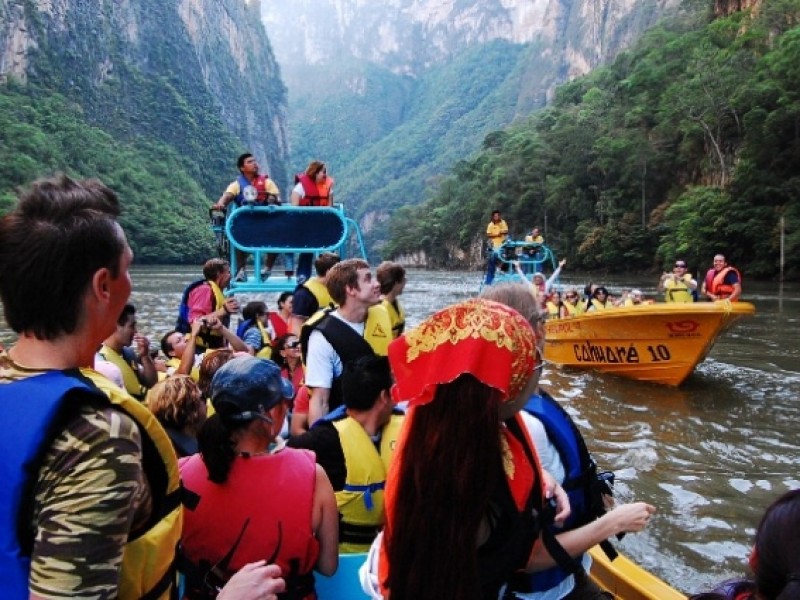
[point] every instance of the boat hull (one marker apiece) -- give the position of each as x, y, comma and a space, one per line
627, 580
660, 343
622, 577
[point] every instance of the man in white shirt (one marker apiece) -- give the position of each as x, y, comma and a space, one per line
330, 339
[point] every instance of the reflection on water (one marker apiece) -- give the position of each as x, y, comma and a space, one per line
710, 455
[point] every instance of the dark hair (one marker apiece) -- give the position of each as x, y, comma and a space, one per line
342, 275
364, 379
280, 344
777, 549
324, 262
389, 274
213, 267
254, 309
216, 446
128, 310
61, 233
166, 346
242, 158
447, 472
283, 298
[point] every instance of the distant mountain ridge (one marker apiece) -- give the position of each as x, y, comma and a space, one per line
392, 94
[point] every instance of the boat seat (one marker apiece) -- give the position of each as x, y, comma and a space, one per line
344, 585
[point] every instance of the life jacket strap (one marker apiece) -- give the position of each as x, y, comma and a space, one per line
367, 489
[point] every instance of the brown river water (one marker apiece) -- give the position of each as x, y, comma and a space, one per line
710, 455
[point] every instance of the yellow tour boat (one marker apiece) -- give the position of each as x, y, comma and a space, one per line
660, 343
627, 580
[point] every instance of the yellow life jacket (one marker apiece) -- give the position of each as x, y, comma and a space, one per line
320, 291
599, 305
266, 342
678, 291
574, 309
149, 556
553, 311
360, 503
129, 377
378, 330
397, 316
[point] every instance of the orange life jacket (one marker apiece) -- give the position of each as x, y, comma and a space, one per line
315, 194
715, 282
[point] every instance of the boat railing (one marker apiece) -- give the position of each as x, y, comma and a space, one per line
260, 230
532, 258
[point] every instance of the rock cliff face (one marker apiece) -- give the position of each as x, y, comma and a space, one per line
723, 8
408, 36
208, 54
408, 87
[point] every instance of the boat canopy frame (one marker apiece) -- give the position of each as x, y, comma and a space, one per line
260, 230
532, 257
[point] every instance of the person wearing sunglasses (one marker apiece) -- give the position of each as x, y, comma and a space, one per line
678, 286
572, 303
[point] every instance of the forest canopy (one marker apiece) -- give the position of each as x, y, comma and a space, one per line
687, 145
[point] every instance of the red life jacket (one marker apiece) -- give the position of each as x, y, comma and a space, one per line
715, 282
264, 509
315, 194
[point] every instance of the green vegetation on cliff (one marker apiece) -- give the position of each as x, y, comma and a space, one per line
686, 146
118, 92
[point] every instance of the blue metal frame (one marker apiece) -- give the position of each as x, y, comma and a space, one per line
506, 254
302, 242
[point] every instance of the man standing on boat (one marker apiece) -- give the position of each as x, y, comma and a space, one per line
678, 286
722, 282
496, 232
249, 187
536, 240
334, 337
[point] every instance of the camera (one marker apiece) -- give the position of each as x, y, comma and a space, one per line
605, 480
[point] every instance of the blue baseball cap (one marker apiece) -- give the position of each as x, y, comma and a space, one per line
246, 387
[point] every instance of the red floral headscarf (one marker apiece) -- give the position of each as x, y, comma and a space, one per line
488, 340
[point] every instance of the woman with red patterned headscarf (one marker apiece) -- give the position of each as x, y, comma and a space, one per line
465, 488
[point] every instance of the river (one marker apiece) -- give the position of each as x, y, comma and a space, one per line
710, 455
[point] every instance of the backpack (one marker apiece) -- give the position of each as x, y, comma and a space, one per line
182, 324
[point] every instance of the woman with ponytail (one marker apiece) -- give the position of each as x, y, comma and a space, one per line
248, 498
